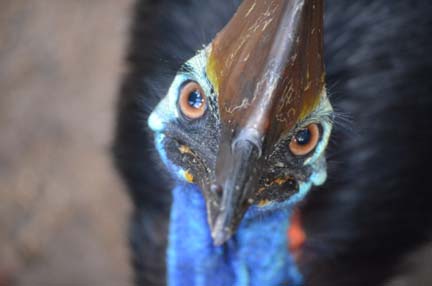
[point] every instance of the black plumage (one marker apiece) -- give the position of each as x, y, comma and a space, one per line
374, 208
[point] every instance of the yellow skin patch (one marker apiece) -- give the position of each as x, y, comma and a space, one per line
211, 70
280, 181
188, 176
185, 150
263, 203
309, 107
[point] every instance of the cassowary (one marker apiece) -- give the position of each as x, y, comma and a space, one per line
263, 145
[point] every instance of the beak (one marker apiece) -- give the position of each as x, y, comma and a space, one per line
267, 69
237, 189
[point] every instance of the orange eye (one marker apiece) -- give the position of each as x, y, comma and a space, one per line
305, 140
192, 100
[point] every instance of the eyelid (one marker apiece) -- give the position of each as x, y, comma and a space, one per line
322, 144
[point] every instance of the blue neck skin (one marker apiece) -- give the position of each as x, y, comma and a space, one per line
256, 255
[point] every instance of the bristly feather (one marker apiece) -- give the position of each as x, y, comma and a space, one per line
375, 206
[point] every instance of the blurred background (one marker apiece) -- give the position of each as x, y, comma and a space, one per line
63, 210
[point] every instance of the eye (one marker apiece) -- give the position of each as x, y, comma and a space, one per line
192, 100
305, 140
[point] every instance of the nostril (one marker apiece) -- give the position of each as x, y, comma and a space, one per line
216, 188
250, 136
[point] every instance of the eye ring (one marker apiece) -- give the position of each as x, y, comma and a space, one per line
192, 100
305, 140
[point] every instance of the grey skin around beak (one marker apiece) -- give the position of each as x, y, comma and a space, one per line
267, 69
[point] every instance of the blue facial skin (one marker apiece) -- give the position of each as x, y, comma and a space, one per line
257, 254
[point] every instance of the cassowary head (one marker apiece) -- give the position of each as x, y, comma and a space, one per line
248, 118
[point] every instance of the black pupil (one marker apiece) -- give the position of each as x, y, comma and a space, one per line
303, 137
195, 99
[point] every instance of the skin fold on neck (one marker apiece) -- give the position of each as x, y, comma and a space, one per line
257, 254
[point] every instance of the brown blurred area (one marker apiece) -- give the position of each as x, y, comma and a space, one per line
63, 210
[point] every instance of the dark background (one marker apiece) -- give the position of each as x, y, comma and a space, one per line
63, 209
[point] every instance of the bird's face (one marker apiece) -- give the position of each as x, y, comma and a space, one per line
248, 119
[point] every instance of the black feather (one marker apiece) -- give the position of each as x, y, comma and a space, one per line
375, 207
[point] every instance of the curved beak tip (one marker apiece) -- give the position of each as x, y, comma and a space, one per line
221, 233
237, 187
